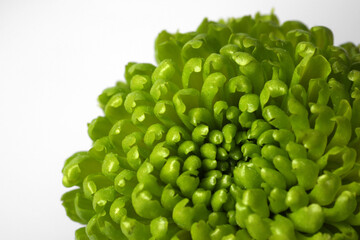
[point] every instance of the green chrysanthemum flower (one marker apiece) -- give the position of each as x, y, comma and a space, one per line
247, 129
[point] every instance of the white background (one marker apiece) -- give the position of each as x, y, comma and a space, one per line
55, 59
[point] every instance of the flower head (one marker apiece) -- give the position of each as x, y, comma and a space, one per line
246, 129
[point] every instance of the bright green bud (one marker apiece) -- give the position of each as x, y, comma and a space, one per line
159, 227
185, 216
308, 219
258, 227
306, 172
344, 206
296, 198
222, 232
326, 188
277, 200
282, 228
188, 182
200, 231
201, 196
134, 229
247, 176
256, 199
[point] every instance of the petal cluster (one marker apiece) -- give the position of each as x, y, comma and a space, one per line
246, 129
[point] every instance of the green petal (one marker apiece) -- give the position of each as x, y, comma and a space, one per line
185, 216
282, 228
168, 71
134, 230
80, 234
251, 68
192, 74
212, 89
311, 67
323, 36
257, 227
145, 204
308, 219
200, 231
306, 172
325, 189
159, 227
77, 167
257, 201
344, 206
